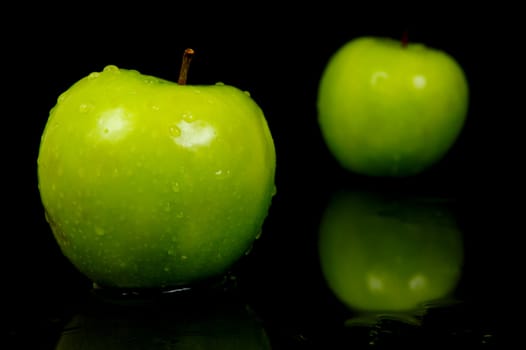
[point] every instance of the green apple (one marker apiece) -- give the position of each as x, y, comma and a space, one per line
148, 183
389, 108
389, 253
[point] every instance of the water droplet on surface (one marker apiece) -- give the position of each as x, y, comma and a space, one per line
93, 75
174, 131
62, 97
179, 215
274, 191
85, 107
187, 116
111, 69
222, 174
171, 252
176, 187
249, 250
184, 257
166, 269
99, 231
220, 83
155, 107
246, 93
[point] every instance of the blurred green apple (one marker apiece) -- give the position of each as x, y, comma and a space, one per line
148, 183
389, 253
391, 109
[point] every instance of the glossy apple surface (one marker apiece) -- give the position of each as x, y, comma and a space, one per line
388, 253
148, 183
385, 109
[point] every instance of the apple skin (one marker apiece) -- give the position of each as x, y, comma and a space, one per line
147, 183
386, 110
389, 253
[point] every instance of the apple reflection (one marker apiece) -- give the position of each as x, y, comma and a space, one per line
196, 324
389, 253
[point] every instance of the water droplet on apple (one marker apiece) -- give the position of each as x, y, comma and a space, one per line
246, 93
184, 257
93, 75
155, 107
179, 215
111, 69
166, 269
187, 116
249, 250
176, 187
222, 173
171, 252
62, 97
259, 234
220, 83
175, 131
197, 91
85, 107
99, 231
378, 77
274, 191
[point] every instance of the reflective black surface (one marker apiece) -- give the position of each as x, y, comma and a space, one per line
277, 296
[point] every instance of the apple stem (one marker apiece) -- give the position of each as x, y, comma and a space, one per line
405, 38
183, 73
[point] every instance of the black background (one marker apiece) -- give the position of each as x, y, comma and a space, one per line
277, 56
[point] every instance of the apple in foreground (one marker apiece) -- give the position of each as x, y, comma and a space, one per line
391, 108
389, 253
149, 183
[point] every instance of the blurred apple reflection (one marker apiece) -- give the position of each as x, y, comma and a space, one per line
196, 324
389, 253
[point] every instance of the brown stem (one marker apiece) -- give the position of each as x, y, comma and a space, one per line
183, 73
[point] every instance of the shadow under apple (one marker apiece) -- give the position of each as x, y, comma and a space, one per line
389, 255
